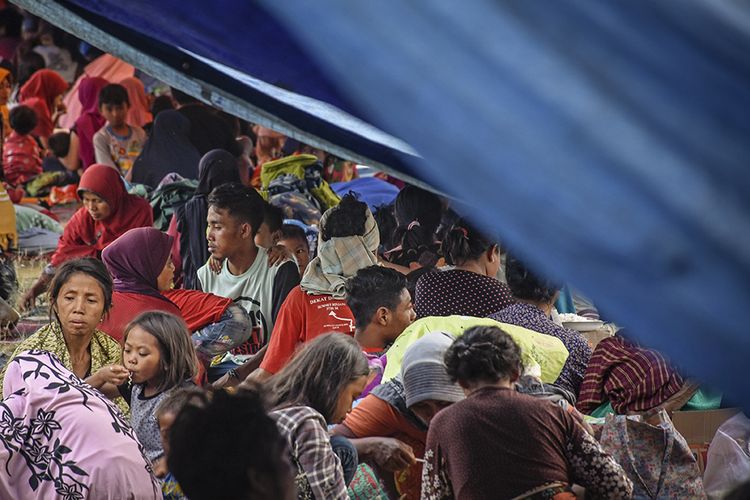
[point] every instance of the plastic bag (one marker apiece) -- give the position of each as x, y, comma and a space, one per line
728, 462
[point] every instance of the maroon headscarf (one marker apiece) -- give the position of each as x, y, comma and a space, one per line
90, 120
136, 259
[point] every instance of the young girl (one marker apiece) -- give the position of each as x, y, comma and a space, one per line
160, 357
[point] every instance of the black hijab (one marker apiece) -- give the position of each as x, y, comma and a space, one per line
217, 167
167, 150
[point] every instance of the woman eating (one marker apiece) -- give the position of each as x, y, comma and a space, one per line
510, 444
80, 296
107, 212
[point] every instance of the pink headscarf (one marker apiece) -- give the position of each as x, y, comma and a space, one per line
90, 120
64, 439
138, 114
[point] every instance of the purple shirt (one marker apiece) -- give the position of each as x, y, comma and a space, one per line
533, 318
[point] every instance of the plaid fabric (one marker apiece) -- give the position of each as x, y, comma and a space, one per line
630, 377
339, 259
310, 446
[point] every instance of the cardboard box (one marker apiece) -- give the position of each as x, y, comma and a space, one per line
699, 427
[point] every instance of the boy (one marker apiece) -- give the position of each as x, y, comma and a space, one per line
381, 305
270, 230
22, 156
235, 213
117, 143
294, 239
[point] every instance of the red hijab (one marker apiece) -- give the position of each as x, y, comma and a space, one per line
85, 237
44, 85
90, 120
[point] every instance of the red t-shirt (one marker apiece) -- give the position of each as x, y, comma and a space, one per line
197, 308
303, 317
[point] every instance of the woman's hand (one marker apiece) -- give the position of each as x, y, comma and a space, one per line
278, 254
110, 374
390, 454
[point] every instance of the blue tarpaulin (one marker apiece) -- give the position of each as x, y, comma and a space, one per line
607, 142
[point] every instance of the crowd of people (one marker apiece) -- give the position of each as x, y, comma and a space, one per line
234, 314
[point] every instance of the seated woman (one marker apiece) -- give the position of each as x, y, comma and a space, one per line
418, 213
315, 389
389, 426
503, 444
44, 91
188, 225
80, 296
66, 439
631, 378
143, 281
536, 298
107, 212
470, 288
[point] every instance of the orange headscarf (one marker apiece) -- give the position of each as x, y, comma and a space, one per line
138, 114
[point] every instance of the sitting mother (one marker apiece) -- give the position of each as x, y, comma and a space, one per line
80, 295
141, 266
107, 212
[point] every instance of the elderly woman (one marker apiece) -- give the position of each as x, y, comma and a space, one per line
107, 212
80, 296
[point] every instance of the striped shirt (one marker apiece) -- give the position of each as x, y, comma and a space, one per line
632, 378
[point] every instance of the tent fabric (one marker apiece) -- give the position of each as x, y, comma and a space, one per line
140, 33
605, 142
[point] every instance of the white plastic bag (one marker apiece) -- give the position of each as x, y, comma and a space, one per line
728, 461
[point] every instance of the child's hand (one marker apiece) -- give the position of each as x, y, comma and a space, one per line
112, 374
160, 467
215, 264
278, 254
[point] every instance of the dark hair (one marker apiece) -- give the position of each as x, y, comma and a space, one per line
293, 232
236, 427
23, 119
371, 288
88, 266
113, 94
348, 218
318, 373
386, 220
28, 63
183, 97
464, 243
240, 201
273, 217
161, 103
59, 144
527, 286
178, 399
416, 204
483, 354
177, 362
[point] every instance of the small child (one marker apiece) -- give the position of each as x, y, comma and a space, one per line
166, 414
117, 144
160, 357
59, 146
294, 239
270, 230
22, 156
